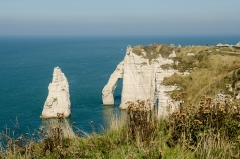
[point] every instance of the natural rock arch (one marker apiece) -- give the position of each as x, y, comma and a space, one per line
108, 90
142, 78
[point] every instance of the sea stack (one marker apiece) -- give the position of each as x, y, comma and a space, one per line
58, 100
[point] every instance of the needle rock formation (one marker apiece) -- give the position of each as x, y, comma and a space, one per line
58, 100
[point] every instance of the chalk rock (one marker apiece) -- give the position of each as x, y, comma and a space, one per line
136, 78
108, 90
163, 102
222, 99
142, 80
173, 54
58, 100
190, 54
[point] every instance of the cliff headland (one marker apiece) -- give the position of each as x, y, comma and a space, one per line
160, 72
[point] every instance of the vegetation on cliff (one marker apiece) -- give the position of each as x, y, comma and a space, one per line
202, 70
209, 72
152, 51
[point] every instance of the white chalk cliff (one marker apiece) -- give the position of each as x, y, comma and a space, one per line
142, 80
58, 100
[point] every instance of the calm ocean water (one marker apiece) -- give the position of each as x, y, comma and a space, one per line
26, 67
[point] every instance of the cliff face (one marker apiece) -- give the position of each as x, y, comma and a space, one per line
142, 78
58, 100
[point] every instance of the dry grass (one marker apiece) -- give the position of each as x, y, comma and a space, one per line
142, 121
209, 75
153, 51
210, 128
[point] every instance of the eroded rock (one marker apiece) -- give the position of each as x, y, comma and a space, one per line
58, 99
142, 80
108, 90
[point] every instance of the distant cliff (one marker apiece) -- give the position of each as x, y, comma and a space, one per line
142, 75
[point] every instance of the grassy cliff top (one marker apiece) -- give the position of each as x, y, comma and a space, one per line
153, 51
211, 70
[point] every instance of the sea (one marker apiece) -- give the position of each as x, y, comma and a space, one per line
26, 68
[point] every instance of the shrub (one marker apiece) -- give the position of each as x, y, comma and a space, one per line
165, 51
192, 123
142, 121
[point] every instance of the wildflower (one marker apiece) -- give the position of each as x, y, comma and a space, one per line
41, 127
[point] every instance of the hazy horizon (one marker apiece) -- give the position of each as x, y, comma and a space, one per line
118, 18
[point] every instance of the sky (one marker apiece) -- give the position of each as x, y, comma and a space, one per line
119, 17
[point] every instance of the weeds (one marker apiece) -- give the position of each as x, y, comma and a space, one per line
54, 138
207, 127
141, 121
51, 139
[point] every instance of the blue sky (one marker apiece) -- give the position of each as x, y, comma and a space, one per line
119, 17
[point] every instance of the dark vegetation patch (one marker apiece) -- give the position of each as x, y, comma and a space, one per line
153, 51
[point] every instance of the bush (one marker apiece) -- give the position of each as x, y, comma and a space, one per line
192, 123
142, 121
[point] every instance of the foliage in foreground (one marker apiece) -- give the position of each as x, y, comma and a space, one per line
209, 130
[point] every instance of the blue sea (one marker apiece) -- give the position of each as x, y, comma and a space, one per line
26, 68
